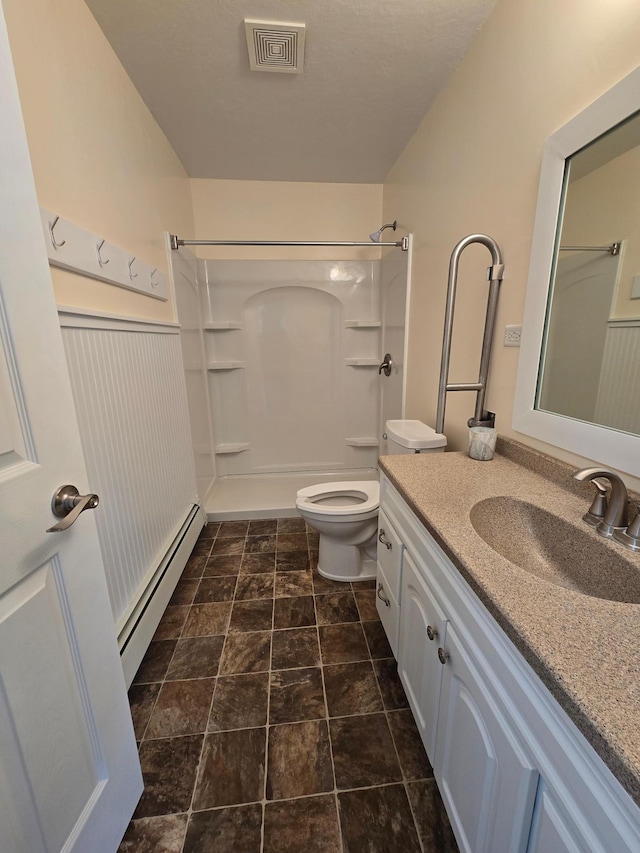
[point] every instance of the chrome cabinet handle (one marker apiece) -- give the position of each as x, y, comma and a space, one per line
432, 633
442, 655
384, 541
382, 596
67, 504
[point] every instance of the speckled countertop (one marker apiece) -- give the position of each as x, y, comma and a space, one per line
585, 649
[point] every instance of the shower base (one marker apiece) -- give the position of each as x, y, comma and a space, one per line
270, 495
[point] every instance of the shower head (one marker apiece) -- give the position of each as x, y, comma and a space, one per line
375, 237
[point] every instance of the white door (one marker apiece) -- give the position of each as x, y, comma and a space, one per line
69, 772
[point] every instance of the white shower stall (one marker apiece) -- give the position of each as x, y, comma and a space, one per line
283, 373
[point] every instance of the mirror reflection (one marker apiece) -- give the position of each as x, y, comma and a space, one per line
590, 363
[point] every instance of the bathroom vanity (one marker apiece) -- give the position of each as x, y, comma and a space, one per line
525, 691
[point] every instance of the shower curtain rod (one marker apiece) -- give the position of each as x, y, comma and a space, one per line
176, 243
612, 249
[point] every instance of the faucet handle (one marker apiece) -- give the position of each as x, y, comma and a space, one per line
615, 517
596, 512
630, 537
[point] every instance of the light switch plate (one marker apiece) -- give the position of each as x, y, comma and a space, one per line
635, 287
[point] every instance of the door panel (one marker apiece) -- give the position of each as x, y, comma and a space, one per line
487, 782
551, 832
418, 664
34, 619
69, 775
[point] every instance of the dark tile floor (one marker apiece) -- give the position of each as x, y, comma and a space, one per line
269, 712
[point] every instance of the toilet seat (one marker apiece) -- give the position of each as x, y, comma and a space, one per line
365, 492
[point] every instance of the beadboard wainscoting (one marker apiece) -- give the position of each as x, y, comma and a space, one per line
618, 401
130, 397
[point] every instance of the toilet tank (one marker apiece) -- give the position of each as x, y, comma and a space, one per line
405, 436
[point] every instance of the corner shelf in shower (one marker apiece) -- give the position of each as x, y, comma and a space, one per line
362, 442
237, 447
225, 365
362, 324
221, 327
362, 362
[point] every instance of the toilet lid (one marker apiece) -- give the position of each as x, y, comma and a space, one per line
350, 498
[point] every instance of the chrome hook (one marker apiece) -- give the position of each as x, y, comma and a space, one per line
54, 242
102, 262
151, 275
132, 275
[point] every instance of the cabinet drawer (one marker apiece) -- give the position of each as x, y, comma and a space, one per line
388, 611
389, 554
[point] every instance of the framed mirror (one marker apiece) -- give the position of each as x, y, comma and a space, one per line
578, 384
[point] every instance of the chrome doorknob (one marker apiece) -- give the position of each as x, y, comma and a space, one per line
67, 504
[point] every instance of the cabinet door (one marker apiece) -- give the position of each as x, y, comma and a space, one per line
418, 664
389, 554
487, 782
550, 831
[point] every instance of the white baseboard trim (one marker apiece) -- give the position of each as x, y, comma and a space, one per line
138, 631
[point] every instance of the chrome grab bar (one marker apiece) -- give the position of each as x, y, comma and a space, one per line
494, 275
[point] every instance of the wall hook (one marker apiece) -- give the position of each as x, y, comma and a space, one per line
151, 275
54, 242
132, 275
102, 262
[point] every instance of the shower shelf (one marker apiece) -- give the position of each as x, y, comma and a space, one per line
238, 447
225, 365
363, 324
221, 327
362, 362
361, 442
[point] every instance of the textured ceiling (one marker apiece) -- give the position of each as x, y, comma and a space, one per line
372, 69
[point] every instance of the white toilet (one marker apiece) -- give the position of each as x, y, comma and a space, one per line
346, 513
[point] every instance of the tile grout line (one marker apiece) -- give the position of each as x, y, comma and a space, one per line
164, 678
266, 727
326, 708
204, 737
404, 780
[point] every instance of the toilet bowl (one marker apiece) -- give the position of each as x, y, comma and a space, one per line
346, 514
346, 517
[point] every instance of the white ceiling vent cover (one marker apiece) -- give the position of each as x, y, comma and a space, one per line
275, 46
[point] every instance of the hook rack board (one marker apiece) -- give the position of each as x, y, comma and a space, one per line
73, 248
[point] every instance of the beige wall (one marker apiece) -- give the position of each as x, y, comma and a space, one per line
99, 158
276, 210
474, 165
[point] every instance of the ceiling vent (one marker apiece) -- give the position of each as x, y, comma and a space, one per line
275, 46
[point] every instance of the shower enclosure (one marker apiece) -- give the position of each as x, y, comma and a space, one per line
291, 352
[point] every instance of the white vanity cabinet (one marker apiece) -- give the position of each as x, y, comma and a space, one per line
514, 772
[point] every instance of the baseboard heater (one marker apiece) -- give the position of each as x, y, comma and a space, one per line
137, 632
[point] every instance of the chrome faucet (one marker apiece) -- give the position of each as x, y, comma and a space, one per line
615, 516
